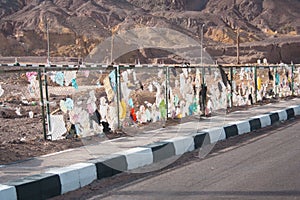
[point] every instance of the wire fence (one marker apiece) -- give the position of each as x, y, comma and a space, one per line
20, 108
68, 100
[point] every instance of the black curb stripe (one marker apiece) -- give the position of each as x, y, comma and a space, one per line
111, 167
201, 140
255, 124
274, 118
37, 187
231, 131
162, 150
290, 113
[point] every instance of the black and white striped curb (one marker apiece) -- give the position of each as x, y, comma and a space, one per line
62, 180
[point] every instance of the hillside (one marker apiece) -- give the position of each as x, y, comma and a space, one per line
268, 28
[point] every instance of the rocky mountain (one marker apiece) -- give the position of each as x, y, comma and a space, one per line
267, 28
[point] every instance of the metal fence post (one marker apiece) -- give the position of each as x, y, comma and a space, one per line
255, 83
118, 85
47, 100
202, 88
231, 87
167, 90
293, 80
275, 85
42, 103
203, 75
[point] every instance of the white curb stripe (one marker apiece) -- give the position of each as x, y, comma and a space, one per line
75, 176
138, 157
265, 120
182, 144
243, 127
282, 115
8, 192
216, 134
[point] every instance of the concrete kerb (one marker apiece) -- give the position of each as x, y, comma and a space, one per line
138, 157
296, 110
242, 126
39, 186
265, 120
59, 181
8, 192
75, 176
201, 138
231, 130
182, 144
110, 165
162, 150
282, 114
216, 134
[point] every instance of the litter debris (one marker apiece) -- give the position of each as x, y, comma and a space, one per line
57, 127
59, 78
30, 114
1, 91
18, 111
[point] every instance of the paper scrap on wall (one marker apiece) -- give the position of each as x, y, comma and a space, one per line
109, 91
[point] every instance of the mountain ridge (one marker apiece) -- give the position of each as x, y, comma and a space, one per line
77, 26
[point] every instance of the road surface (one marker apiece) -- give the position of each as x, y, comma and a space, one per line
268, 168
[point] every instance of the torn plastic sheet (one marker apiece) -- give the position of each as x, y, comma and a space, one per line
57, 127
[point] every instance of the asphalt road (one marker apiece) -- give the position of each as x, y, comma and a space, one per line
267, 168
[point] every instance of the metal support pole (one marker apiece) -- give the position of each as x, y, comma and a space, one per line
201, 40
42, 104
167, 91
118, 85
47, 100
238, 46
48, 42
203, 75
231, 88
275, 85
201, 53
293, 80
111, 48
255, 83
202, 89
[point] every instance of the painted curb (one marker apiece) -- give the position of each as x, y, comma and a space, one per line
138, 157
59, 181
40, 186
75, 176
8, 192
